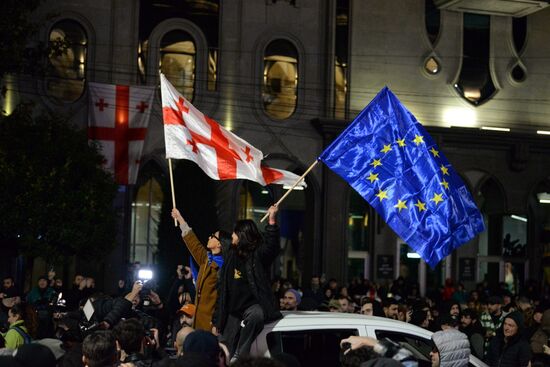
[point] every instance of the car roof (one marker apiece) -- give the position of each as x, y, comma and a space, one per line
298, 319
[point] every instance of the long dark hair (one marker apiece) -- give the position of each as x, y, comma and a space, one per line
225, 239
249, 237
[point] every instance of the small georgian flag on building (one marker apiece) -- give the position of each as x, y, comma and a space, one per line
222, 155
118, 119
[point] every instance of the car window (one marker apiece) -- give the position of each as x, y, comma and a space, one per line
310, 347
418, 346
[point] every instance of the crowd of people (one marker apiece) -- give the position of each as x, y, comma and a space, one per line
214, 311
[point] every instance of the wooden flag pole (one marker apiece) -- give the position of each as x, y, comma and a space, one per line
172, 187
292, 188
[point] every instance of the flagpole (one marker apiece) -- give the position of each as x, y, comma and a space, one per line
292, 188
172, 187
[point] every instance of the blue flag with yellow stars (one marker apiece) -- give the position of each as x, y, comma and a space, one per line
387, 156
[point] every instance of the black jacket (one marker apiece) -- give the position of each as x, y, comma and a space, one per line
515, 353
257, 267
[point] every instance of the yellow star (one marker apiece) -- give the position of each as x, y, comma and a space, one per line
382, 194
418, 139
420, 205
437, 198
434, 152
445, 170
445, 184
401, 142
372, 177
401, 205
376, 163
386, 149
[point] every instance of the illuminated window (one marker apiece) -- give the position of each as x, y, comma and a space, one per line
177, 61
66, 70
145, 218
280, 79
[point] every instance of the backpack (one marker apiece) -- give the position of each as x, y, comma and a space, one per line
26, 337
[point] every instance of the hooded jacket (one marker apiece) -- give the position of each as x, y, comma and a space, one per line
453, 347
257, 265
512, 352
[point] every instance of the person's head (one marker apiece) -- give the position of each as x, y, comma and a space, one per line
524, 304
468, 317
334, 306
35, 355
99, 349
344, 292
512, 324
180, 338
448, 322
450, 346
129, 335
217, 241
291, 299
8, 282
367, 307
454, 310
246, 237
42, 282
344, 303
58, 283
391, 308
420, 318
187, 314
203, 342
315, 282
90, 282
77, 279
494, 304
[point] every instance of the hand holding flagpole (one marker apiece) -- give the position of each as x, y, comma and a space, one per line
292, 188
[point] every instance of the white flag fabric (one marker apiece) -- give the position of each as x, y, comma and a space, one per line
222, 155
118, 119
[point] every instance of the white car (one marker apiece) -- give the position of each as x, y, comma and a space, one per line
314, 337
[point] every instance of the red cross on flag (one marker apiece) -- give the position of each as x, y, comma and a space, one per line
222, 155
118, 119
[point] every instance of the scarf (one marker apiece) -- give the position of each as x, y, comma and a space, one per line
218, 259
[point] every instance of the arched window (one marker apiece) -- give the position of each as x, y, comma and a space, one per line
280, 79
146, 210
177, 61
66, 69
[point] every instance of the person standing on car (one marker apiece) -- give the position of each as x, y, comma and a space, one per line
210, 261
245, 300
509, 348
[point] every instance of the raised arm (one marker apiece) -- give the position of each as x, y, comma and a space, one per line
271, 248
197, 250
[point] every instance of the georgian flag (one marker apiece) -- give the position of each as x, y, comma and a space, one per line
118, 118
222, 155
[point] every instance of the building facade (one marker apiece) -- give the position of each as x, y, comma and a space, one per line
288, 76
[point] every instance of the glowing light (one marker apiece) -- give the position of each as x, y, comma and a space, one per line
459, 116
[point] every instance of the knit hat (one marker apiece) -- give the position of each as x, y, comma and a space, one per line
517, 317
296, 294
201, 341
453, 347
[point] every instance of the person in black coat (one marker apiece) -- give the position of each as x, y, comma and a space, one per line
245, 301
509, 347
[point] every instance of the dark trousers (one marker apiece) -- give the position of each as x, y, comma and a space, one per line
239, 338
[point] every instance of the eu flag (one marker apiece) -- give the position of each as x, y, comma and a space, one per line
387, 156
